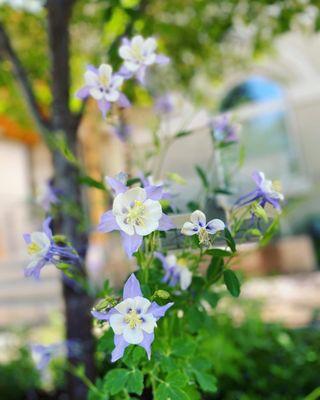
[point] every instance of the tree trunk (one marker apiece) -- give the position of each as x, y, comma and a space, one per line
77, 302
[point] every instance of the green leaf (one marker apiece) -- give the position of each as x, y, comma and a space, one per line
230, 241
184, 347
183, 134
254, 232
270, 232
88, 181
202, 176
133, 356
167, 392
222, 191
212, 298
232, 282
135, 382
177, 378
132, 181
115, 380
218, 253
215, 269
58, 142
206, 381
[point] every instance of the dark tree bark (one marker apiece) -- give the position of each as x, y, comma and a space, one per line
77, 303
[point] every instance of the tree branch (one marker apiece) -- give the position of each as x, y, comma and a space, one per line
8, 52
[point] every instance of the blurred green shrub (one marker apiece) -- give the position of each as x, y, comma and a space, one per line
264, 361
19, 377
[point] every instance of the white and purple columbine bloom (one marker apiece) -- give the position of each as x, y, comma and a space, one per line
133, 320
176, 271
164, 104
43, 354
136, 212
198, 226
43, 250
48, 197
156, 187
138, 54
104, 87
224, 130
266, 192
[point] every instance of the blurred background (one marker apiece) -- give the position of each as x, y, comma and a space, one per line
258, 60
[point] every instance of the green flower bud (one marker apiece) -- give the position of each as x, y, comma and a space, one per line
162, 294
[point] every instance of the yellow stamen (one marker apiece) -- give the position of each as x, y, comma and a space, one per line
204, 237
137, 53
135, 214
33, 248
104, 80
276, 185
182, 262
133, 319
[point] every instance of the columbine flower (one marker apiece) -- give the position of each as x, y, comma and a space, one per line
133, 320
138, 54
199, 226
136, 212
154, 187
43, 250
43, 354
103, 86
164, 104
176, 270
48, 197
224, 130
266, 191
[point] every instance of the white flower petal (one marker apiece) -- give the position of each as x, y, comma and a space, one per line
137, 41
147, 227
132, 65
117, 81
215, 225
117, 323
112, 96
41, 240
141, 304
150, 59
125, 52
125, 227
96, 93
91, 78
105, 72
149, 323
149, 45
126, 199
198, 218
185, 278
171, 260
125, 306
133, 335
153, 209
189, 229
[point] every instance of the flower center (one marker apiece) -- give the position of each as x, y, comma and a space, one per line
182, 262
276, 186
104, 81
137, 54
204, 237
133, 319
33, 248
136, 213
